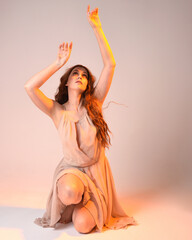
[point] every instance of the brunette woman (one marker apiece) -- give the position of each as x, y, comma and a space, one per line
83, 189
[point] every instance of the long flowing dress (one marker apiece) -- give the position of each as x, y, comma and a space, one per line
84, 156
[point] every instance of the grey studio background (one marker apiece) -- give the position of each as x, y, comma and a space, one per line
152, 131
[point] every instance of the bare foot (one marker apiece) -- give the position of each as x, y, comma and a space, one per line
66, 216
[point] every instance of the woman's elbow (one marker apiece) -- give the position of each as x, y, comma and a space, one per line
111, 65
26, 87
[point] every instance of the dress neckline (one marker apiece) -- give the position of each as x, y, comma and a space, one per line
74, 116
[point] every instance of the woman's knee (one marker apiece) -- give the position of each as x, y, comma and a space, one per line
70, 189
82, 219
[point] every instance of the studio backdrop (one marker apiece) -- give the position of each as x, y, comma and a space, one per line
148, 107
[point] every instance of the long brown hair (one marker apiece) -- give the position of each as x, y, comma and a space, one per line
92, 105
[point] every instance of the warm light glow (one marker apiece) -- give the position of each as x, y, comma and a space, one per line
11, 233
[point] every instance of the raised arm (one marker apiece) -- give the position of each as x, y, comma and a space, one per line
33, 84
106, 76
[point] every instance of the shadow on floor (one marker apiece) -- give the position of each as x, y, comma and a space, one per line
23, 219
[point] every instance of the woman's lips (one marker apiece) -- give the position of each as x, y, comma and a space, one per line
78, 82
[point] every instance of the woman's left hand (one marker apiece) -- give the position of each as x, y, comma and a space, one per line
93, 17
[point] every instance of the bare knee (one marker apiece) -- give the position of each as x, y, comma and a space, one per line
70, 189
83, 220
82, 225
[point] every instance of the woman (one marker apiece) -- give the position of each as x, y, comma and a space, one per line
83, 189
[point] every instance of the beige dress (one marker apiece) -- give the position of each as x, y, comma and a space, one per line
84, 156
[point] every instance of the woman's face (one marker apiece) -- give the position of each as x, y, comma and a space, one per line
78, 79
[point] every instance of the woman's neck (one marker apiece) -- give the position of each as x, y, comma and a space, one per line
74, 102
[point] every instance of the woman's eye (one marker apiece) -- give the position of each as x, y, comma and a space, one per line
84, 75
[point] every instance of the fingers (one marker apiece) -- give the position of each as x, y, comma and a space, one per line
95, 11
88, 9
71, 45
61, 46
65, 46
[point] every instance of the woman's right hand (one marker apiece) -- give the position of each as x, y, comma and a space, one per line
64, 53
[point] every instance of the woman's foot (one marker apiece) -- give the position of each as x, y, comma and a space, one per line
66, 216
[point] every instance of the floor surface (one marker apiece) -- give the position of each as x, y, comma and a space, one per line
165, 216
